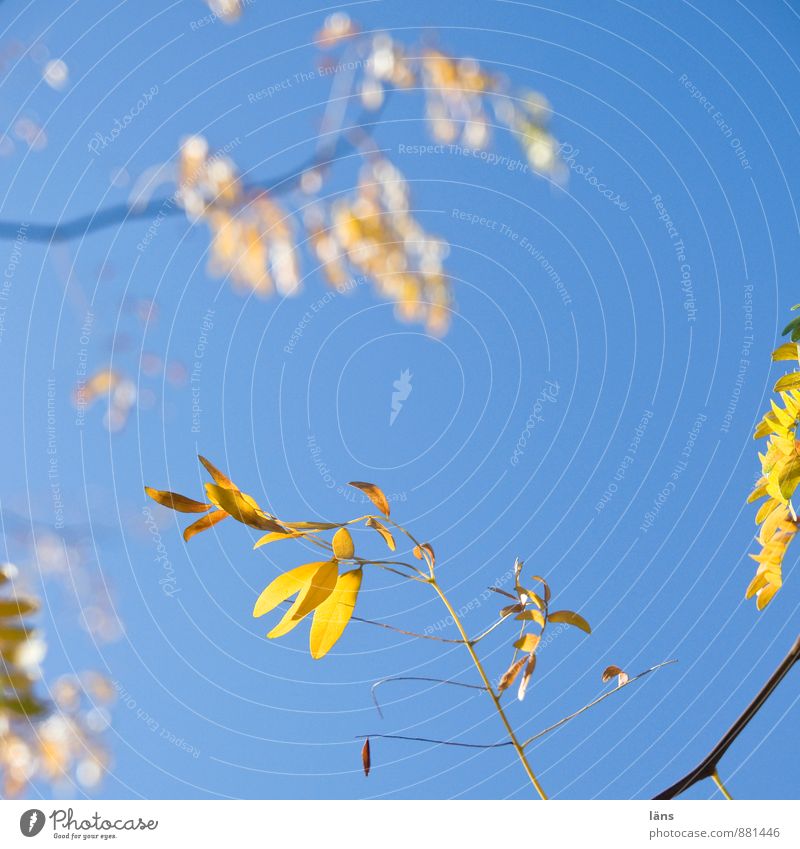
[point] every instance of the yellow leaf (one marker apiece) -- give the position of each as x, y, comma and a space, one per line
277, 537
531, 616
510, 675
283, 587
343, 548
177, 502
321, 584
374, 494
789, 477
241, 507
383, 531
787, 351
788, 381
546, 587
332, 616
568, 617
758, 492
18, 606
757, 584
219, 478
312, 526
528, 643
765, 596
425, 550
204, 523
523, 684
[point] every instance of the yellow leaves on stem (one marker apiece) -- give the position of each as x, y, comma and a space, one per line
241, 507
374, 493
204, 523
383, 531
343, 548
177, 502
528, 643
333, 615
569, 617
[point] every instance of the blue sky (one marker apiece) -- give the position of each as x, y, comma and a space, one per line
663, 336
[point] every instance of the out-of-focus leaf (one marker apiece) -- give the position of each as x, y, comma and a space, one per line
528, 643
510, 675
219, 478
569, 617
321, 584
789, 477
343, 548
23, 705
332, 616
526, 677
204, 523
374, 493
18, 606
177, 502
241, 507
13, 636
383, 531
531, 616
366, 759
283, 587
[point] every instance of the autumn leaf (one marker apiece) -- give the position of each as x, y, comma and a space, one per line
219, 478
365, 757
569, 617
528, 643
526, 677
177, 502
545, 586
787, 351
511, 608
18, 606
343, 548
241, 507
314, 591
510, 675
383, 531
788, 381
425, 551
333, 615
277, 537
374, 493
204, 523
531, 616
283, 587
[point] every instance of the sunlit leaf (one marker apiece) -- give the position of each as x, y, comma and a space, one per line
788, 381
177, 502
383, 531
787, 351
569, 617
204, 523
366, 759
332, 616
510, 675
241, 507
315, 590
526, 677
528, 643
545, 586
283, 587
219, 478
531, 616
511, 608
500, 592
277, 537
609, 672
425, 551
18, 606
343, 548
312, 526
374, 493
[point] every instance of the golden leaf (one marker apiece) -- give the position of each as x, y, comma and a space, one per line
425, 550
343, 548
383, 531
313, 592
510, 675
219, 478
531, 616
765, 596
365, 757
18, 606
523, 684
374, 493
332, 616
788, 381
177, 502
283, 587
241, 507
204, 523
546, 587
312, 526
789, 477
528, 643
787, 351
276, 537
569, 617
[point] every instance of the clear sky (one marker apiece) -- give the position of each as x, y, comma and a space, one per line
673, 294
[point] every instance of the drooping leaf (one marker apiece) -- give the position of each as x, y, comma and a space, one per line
511, 608
789, 477
277, 537
283, 587
766, 595
545, 586
609, 672
425, 551
241, 507
374, 493
531, 616
219, 478
569, 617
343, 548
321, 584
383, 531
177, 502
332, 616
510, 675
18, 606
526, 677
366, 760
204, 523
528, 643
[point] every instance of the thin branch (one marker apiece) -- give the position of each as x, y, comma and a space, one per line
438, 742
596, 701
417, 678
708, 766
407, 633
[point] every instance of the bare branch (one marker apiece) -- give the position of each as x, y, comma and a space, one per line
418, 678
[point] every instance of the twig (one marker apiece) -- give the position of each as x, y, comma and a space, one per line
708, 766
417, 678
438, 742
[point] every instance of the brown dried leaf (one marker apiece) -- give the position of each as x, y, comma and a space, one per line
383, 531
523, 684
609, 672
509, 609
366, 760
374, 493
510, 675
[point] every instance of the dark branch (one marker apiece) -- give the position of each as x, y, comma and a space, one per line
418, 678
437, 742
708, 766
